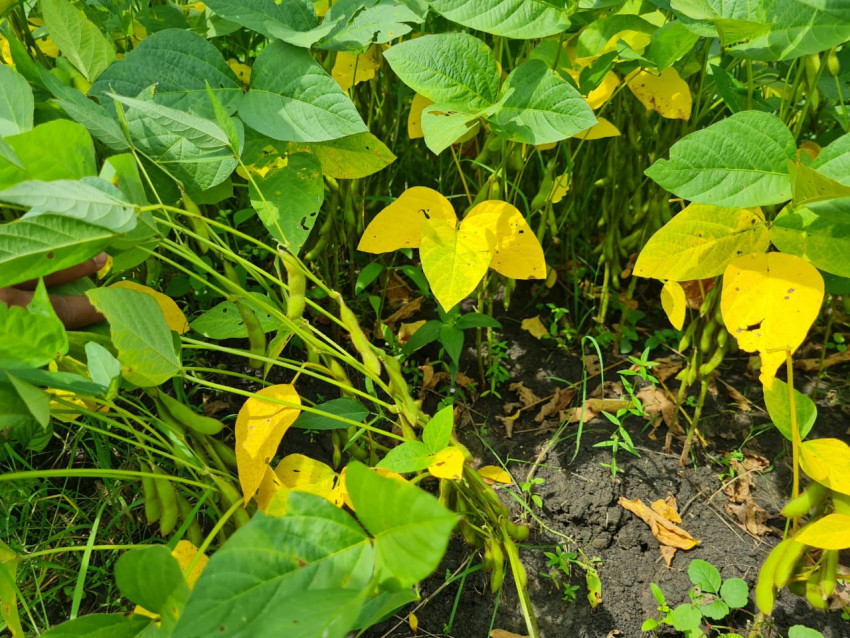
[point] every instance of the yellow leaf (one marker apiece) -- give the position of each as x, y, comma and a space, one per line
269, 486
769, 301
241, 71
827, 461
350, 68
454, 261
399, 225
107, 266
495, 474
185, 553
602, 93
664, 530
407, 330
299, 472
674, 302
535, 327
414, 118
174, 317
260, 425
6, 52
666, 94
831, 532
340, 495
517, 253
448, 464
413, 622
603, 128
321, 7
560, 187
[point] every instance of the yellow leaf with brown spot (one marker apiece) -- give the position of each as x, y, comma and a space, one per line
769, 302
495, 474
399, 225
517, 252
534, 326
185, 553
407, 330
603, 128
448, 464
260, 425
350, 69
414, 118
674, 302
174, 317
241, 71
299, 472
666, 94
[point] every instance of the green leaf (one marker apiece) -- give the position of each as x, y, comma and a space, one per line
103, 367
35, 247
357, 24
292, 98
809, 185
740, 161
477, 320
151, 577
538, 107
223, 321
716, 610
77, 37
181, 63
72, 159
801, 631
256, 15
595, 36
670, 43
16, 103
289, 199
140, 334
8, 590
411, 456
91, 200
18, 424
350, 157
442, 127
204, 134
31, 337
345, 407
685, 617
735, 592
123, 171
700, 241
704, 575
776, 400
410, 527
520, 19
818, 232
834, 160
311, 567
101, 626
69, 381
438, 431
451, 338
455, 70
36, 400
426, 334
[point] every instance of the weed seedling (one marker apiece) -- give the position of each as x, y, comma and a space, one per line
527, 488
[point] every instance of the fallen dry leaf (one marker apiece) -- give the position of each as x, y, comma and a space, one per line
609, 405
501, 633
508, 422
407, 330
750, 516
743, 403
656, 402
666, 368
535, 327
663, 529
558, 403
810, 365
211, 408
397, 291
526, 395
668, 508
591, 363
405, 312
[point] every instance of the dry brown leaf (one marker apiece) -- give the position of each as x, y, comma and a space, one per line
656, 402
666, 368
663, 529
558, 403
526, 395
743, 403
501, 633
739, 489
405, 312
428, 381
574, 415
750, 516
668, 508
810, 365
609, 405
695, 291
753, 461
397, 291
508, 422
668, 553
407, 330
535, 327
211, 408
591, 363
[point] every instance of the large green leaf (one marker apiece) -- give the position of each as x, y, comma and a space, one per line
838, 8
37, 246
72, 157
350, 157
410, 527
357, 24
181, 63
91, 200
293, 15
834, 160
311, 567
595, 37
77, 37
538, 107
101, 626
741, 161
191, 149
700, 241
289, 198
809, 185
292, 98
151, 577
31, 337
819, 232
455, 70
223, 321
521, 19
776, 400
442, 127
139, 333
18, 424
344, 407
16, 103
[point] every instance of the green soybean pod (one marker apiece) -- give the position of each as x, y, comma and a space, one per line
198, 423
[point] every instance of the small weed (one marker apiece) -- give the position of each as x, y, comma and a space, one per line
527, 488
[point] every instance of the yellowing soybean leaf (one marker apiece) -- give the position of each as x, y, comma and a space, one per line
399, 225
534, 327
517, 253
350, 68
830, 532
300, 472
700, 242
447, 464
603, 128
241, 71
560, 187
350, 157
495, 474
666, 94
8, 590
602, 93
827, 461
185, 553
174, 317
260, 425
269, 486
454, 261
414, 118
674, 302
769, 302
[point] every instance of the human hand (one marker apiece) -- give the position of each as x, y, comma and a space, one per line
75, 311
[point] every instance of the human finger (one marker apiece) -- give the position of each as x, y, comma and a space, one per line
75, 311
68, 274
